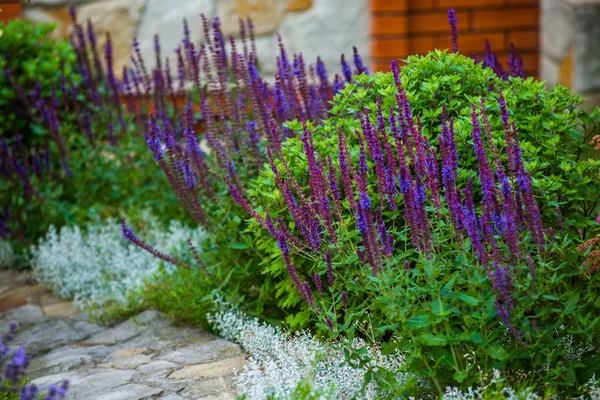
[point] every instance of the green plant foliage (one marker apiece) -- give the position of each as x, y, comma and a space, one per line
105, 182
27, 56
440, 309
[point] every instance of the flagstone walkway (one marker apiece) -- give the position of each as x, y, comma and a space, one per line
145, 357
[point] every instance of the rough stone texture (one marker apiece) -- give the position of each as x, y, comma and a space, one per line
120, 333
209, 370
570, 52
142, 358
52, 333
591, 101
587, 49
120, 18
557, 29
299, 5
327, 29
265, 14
314, 27
196, 354
165, 19
63, 309
58, 15
25, 315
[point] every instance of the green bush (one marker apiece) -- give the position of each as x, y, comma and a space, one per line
27, 56
554, 136
439, 308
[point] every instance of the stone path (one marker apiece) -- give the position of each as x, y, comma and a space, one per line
145, 357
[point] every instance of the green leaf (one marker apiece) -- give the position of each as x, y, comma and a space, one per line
467, 299
418, 322
571, 303
429, 339
460, 376
497, 352
239, 246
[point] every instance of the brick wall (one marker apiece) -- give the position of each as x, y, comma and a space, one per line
403, 27
10, 9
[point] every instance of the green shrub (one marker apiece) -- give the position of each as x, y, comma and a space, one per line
440, 307
28, 56
554, 136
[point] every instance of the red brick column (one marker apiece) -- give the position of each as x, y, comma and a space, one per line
403, 27
11, 9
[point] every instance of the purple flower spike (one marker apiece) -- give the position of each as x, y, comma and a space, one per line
454, 28
344, 299
358, 62
329, 323
319, 284
330, 278
346, 70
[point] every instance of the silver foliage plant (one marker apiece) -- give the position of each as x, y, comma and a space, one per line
279, 361
96, 265
8, 257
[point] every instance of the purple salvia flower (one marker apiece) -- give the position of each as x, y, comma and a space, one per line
358, 62
330, 277
387, 240
329, 323
374, 146
308, 296
319, 285
406, 265
392, 167
503, 286
322, 74
454, 28
334, 188
188, 173
471, 222
485, 172
93, 44
338, 84
130, 235
344, 157
346, 70
344, 299
285, 250
510, 218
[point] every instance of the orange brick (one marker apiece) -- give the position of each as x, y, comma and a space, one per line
532, 2
472, 42
531, 62
388, 25
468, 3
10, 11
506, 18
389, 5
384, 64
421, 4
527, 40
389, 48
421, 45
434, 22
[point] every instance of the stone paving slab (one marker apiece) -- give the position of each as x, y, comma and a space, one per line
145, 357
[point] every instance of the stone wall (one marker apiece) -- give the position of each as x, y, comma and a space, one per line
313, 27
570, 51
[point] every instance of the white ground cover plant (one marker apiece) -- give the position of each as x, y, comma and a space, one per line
97, 265
8, 257
279, 361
